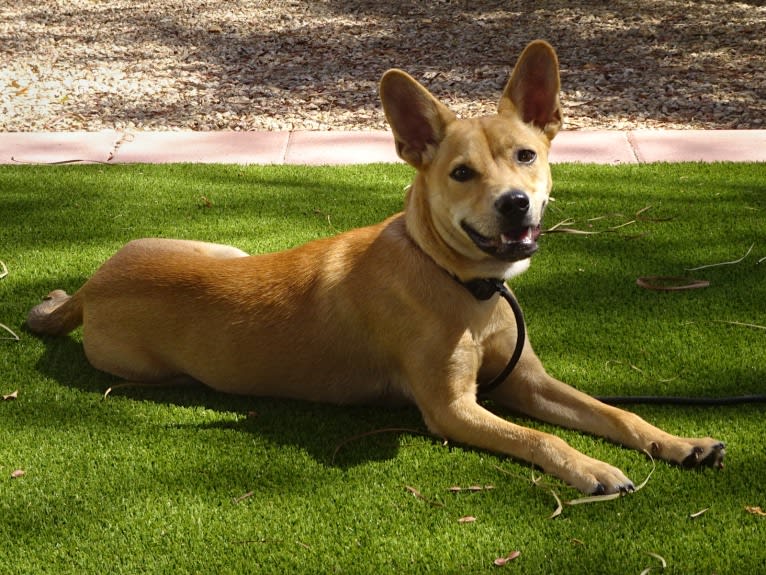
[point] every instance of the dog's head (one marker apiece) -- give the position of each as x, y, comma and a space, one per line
483, 183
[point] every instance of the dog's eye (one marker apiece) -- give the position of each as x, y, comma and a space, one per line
462, 173
526, 156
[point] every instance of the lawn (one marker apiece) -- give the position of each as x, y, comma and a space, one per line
184, 480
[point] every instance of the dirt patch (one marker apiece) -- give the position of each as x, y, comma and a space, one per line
252, 65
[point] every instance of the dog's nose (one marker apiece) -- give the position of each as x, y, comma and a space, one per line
513, 204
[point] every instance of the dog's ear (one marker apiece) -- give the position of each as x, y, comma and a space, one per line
532, 93
418, 120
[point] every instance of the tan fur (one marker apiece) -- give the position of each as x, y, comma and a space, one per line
376, 313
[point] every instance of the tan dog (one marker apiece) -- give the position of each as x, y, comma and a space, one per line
377, 313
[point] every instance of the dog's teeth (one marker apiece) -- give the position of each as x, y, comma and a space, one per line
525, 236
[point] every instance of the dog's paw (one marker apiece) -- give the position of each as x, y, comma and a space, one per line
690, 453
710, 455
594, 477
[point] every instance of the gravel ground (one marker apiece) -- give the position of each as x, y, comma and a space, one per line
287, 64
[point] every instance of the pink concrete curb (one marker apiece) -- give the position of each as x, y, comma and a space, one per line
699, 145
600, 147
203, 147
51, 147
316, 148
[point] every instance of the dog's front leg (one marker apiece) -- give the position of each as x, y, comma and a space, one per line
465, 421
447, 400
531, 391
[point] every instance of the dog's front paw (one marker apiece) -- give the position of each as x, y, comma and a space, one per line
690, 453
594, 477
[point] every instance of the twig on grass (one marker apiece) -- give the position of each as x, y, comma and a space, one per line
642, 218
589, 498
733, 262
740, 323
615, 228
641, 371
563, 226
319, 212
241, 498
559, 505
419, 495
609, 497
470, 489
605, 216
659, 558
559, 229
61, 162
3, 275
14, 336
699, 513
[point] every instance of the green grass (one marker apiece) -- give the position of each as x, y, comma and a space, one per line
146, 481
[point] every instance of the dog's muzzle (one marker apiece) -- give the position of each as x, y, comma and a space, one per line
516, 240
510, 246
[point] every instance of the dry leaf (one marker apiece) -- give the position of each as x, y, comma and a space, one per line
467, 519
500, 561
12, 395
756, 511
17, 473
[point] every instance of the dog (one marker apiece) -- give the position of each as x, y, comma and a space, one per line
382, 313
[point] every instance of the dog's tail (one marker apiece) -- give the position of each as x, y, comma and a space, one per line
57, 315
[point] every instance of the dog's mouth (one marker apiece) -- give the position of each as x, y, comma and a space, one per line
510, 246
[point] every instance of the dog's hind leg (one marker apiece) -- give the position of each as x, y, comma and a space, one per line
58, 314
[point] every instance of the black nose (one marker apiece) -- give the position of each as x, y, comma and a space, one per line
514, 204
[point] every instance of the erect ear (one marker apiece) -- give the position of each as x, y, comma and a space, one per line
418, 120
532, 93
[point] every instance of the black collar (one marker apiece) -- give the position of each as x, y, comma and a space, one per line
484, 288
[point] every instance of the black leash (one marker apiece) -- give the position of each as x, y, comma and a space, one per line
482, 290
680, 400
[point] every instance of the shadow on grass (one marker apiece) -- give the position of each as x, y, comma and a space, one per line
334, 436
